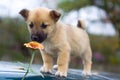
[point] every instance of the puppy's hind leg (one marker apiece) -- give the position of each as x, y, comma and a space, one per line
87, 62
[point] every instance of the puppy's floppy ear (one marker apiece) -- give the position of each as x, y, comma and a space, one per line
55, 15
24, 13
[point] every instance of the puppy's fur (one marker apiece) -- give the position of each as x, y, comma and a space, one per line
58, 39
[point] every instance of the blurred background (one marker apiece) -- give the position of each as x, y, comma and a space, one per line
101, 17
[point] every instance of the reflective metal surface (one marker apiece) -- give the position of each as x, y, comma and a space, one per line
15, 71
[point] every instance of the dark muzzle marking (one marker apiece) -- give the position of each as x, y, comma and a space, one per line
39, 37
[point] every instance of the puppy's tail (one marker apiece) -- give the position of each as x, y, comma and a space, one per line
81, 24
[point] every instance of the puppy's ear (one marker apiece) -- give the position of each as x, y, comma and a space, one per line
24, 13
55, 15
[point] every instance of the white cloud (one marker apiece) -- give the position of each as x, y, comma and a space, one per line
100, 28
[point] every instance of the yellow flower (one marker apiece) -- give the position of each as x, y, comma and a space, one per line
34, 45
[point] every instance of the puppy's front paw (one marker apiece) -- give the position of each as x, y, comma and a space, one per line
44, 69
86, 73
61, 74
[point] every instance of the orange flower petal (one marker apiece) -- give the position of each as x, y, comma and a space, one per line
34, 45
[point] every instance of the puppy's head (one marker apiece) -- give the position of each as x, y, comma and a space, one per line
41, 22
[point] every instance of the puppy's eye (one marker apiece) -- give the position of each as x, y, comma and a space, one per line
31, 25
43, 25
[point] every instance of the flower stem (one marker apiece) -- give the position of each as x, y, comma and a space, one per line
31, 61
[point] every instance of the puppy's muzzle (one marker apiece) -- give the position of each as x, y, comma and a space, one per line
39, 37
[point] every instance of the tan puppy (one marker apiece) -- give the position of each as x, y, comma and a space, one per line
58, 39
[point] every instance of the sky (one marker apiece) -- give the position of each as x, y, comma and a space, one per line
12, 7
90, 15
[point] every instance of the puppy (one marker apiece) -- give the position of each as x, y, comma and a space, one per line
58, 39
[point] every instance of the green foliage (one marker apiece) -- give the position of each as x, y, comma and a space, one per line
68, 5
114, 59
107, 46
13, 34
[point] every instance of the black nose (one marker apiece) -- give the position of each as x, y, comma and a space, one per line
34, 38
39, 37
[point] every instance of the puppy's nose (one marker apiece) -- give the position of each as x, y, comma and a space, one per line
34, 38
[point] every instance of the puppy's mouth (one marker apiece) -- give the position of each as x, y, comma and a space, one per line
39, 37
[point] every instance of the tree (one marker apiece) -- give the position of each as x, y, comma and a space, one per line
68, 5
